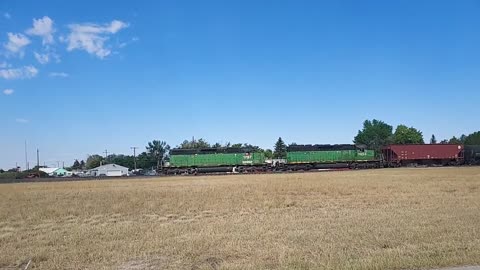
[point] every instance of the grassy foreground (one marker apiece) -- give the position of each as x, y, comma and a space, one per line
375, 219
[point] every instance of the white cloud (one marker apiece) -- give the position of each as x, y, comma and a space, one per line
25, 72
42, 58
91, 37
16, 43
4, 65
8, 92
44, 28
7, 15
132, 40
21, 120
58, 74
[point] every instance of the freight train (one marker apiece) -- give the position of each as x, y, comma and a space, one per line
318, 157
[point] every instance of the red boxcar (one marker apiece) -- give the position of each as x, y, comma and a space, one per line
423, 154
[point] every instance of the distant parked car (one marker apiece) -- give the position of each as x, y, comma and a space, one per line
151, 173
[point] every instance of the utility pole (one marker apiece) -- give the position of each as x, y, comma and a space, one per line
58, 164
63, 164
134, 157
106, 153
38, 159
26, 156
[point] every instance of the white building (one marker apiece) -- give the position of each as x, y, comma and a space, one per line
48, 171
57, 172
109, 170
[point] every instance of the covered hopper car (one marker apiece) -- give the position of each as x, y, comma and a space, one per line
423, 154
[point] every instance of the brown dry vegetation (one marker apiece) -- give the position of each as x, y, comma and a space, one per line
375, 219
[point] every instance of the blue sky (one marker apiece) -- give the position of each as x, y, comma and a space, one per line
79, 77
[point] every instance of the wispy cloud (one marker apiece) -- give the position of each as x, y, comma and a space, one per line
8, 92
42, 58
132, 40
25, 72
58, 74
7, 15
43, 28
92, 37
22, 120
16, 43
4, 65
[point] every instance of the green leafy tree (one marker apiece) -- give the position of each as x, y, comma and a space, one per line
158, 150
280, 149
473, 139
454, 140
194, 144
217, 145
444, 142
122, 160
146, 161
268, 153
433, 140
407, 135
236, 145
375, 134
94, 161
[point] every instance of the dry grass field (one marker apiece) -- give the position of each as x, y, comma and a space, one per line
373, 219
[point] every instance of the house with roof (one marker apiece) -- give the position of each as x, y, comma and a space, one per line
109, 170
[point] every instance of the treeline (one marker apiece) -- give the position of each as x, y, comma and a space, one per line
375, 134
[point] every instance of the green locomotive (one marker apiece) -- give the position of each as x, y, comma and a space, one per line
206, 160
330, 156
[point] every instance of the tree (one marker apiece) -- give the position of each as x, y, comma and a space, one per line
2, 171
158, 150
280, 149
473, 139
454, 140
76, 165
375, 134
82, 165
194, 144
145, 161
236, 145
94, 161
217, 145
407, 135
268, 153
433, 140
122, 160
